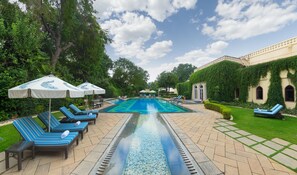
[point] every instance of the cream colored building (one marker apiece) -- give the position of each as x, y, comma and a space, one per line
258, 94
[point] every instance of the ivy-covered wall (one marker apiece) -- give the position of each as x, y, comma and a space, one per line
220, 78
224, 77
250, 76
184, 89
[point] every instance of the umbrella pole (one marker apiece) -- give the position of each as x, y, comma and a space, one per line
49, 114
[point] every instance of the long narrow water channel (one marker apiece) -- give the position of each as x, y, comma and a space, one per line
146, 147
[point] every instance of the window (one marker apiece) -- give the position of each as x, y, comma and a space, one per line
259, 93
289, 93
195, 92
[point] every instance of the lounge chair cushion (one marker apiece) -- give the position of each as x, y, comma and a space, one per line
77, 111
71, 116
31, 131
56, 126
273, 112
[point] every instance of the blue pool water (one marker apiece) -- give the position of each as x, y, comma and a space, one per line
145, 146
140, 106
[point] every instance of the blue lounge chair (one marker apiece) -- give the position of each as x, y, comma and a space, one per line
274, 107
56, 126
77, 111
274, 113
74, 118
44, 141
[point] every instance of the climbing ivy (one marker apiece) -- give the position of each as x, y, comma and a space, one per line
220, 80
224, 77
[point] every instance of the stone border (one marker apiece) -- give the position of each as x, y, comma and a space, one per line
205, 164
89, 164
279, 150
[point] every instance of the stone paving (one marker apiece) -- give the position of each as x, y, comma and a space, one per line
89, 149
231, 153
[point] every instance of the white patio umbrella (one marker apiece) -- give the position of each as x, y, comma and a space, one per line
142, 91
46, 87
91, 89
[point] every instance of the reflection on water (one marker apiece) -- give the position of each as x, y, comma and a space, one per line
146, 147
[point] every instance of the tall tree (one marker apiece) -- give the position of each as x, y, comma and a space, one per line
183, 71
21, 58
167, 80
129, 77
58, 20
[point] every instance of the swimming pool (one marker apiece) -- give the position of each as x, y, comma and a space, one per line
145, 145
140, 106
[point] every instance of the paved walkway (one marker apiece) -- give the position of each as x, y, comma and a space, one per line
95, 141
198, 131
227, 153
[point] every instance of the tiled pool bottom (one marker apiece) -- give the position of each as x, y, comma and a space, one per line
145, 146
146, 152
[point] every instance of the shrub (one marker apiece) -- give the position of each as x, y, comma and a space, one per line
224, 110
184, 89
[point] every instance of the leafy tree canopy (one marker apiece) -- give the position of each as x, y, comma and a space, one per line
129, 77
183, 71
167, 80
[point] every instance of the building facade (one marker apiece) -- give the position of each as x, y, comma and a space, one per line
259, 93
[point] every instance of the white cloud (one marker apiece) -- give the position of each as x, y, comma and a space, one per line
196, 57
21, 5
157, 9
211, 19
131, 32
243, 19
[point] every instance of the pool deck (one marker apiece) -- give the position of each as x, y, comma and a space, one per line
194, 129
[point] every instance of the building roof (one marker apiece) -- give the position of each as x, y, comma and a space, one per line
223, 58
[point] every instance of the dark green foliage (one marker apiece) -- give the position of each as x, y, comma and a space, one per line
224, 110
167, 80
26, 49
220, 80
184, 89
183, 71
128, 77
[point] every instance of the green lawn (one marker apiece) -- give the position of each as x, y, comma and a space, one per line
9, 135
265, 127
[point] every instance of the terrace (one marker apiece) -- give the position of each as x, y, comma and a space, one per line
216, 145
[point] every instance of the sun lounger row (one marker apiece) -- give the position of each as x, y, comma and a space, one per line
62, 135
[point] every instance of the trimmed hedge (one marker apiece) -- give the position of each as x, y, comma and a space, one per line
224, 110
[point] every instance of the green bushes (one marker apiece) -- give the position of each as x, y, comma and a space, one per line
184, 89
224, 110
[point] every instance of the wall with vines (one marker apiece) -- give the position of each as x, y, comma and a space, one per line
220, 80
224, 77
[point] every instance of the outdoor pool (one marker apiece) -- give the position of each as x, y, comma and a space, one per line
140, 106
146, 145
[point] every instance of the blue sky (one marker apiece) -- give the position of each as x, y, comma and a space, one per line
157, 35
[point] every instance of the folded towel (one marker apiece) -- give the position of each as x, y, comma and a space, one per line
77, 123
64, 134
90, 114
